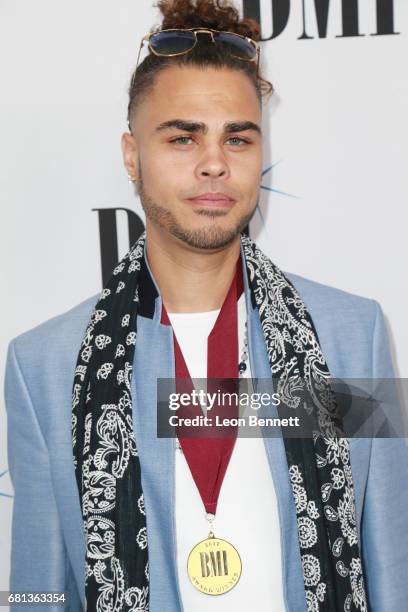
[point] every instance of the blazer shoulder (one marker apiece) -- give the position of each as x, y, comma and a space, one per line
332, 301
350, 328
63, 331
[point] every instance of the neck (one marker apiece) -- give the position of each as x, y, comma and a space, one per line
190, 279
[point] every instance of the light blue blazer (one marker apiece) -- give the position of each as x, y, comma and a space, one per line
48, 545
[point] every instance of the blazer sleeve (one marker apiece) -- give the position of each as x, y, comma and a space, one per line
385, 512
38, 555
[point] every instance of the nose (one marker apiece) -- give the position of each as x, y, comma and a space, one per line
213, 164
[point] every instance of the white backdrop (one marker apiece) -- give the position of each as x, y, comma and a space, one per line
336, 135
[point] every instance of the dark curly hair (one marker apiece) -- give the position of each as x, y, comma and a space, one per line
214, 14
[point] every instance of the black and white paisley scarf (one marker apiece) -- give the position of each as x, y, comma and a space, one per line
107, 465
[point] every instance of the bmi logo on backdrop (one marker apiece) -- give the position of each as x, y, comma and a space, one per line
319, 10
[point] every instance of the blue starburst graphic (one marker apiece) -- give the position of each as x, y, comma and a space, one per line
266, 188
1, 493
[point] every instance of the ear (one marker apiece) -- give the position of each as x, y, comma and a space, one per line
130, 154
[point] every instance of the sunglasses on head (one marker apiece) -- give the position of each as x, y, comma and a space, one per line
177, 41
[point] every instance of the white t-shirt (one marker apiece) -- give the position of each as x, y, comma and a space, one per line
247, 512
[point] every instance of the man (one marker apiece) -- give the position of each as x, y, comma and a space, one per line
115, 516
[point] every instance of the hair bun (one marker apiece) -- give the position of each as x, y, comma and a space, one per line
214, 14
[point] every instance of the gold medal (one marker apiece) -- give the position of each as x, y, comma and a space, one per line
214, 566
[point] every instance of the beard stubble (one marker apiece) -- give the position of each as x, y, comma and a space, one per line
211, 237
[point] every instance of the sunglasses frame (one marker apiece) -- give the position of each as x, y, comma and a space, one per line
196, 31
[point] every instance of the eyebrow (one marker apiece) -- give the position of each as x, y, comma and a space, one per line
195, 127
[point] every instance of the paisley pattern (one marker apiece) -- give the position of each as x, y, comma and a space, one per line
107, 465
319, 468
106, 461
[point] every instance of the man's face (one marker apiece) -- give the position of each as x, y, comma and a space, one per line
197, 152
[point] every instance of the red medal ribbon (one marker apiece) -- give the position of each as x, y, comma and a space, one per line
208, 457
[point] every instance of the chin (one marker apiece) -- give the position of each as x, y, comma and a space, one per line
206, 238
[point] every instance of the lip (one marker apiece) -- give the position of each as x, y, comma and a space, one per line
212, 199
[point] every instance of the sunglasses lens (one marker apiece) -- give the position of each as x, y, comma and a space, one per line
237, 46
167, 43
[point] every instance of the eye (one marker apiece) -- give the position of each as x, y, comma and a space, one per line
238, 141
182, 140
